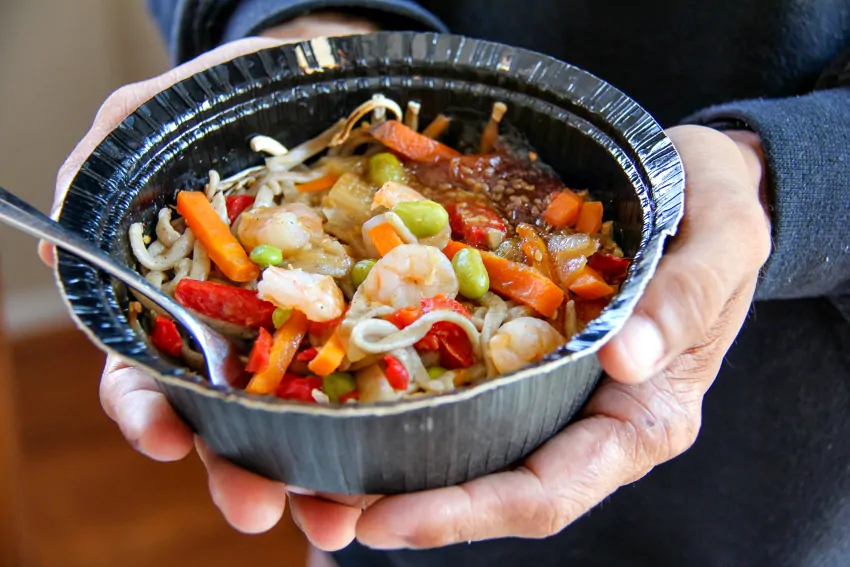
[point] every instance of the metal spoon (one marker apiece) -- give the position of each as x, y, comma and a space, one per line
220, 353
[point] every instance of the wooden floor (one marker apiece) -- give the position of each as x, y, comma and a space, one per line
91, 501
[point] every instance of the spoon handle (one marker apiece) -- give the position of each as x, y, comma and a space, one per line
25, 217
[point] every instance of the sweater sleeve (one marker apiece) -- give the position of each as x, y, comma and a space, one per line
191, 27
806, 142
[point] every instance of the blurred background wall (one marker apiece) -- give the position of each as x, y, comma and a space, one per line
59, 59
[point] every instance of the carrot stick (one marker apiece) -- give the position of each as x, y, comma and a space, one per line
216, 237
329, 358
321, 184
385, 238
590, 218
491, 130
517, 281
563, 210
285, 343
590, 285
413, 145
437, 126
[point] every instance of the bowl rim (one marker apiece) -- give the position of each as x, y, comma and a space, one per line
668, 176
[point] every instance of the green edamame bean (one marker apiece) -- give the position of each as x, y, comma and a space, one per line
360, 270
436, 371
280, 317
338, 384
472, 276
266, 255
385, 167
423, 218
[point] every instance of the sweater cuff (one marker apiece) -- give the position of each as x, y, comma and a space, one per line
806, 142
253, 16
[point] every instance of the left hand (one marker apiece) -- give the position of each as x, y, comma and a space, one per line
646, 412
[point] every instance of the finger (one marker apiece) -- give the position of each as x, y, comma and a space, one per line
328, 525
124, 102
568, 476
133, 400
250, 503
723, 240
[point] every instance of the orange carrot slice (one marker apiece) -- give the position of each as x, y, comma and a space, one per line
517, 281
224, 249
590, 218
411, 144
385, 238
329, 357
321, 184
563, 210
590, 285
285, 343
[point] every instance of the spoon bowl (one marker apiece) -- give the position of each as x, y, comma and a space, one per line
221, 354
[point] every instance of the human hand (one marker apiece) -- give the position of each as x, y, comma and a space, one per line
129, 396
659, 368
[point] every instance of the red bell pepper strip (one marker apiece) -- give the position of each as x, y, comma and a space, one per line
447, 338
396, 374
355, 395
610, 266
294, 387
258, 360
166, 337
474, 223
226, 303
236, 205
307, 355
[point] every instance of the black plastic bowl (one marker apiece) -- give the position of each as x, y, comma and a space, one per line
591, 133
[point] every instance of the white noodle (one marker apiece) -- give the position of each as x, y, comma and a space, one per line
156, 248
409, 358
411, 117
267, 145
305, 151
176, 253
213, 185
265, 197
377, 335
520, 311
200, 263
181, 270
360, 112
496, 313
165, 233
156, 278
219, 205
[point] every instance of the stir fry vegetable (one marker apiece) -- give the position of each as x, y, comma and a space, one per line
374, 262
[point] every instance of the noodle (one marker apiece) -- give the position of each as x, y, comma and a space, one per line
410, 325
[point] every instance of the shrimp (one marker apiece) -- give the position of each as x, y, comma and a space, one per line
292, 228
522, 341
317, 296
402, 278
391, 194
405, 276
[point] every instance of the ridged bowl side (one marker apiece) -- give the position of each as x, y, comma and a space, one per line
592, 134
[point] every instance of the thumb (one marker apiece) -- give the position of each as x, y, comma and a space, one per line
722, 243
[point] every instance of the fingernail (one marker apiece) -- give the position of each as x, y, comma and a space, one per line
643, 343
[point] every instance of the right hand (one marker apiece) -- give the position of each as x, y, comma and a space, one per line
131, 398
